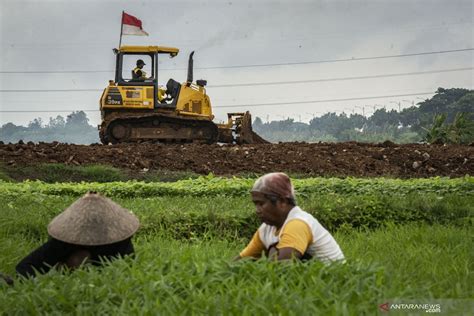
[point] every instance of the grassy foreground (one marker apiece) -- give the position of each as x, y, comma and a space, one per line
400, 245
173, 277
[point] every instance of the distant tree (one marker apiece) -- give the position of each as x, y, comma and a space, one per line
10, 129
35, 125
464, 105
445, 101
56, 123
74, 130
357, 121
340, 126
77, 119
329, 123
383, 118
440, 102
257, 123
409, 116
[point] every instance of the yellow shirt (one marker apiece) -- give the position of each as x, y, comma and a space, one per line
139, 73
295, 234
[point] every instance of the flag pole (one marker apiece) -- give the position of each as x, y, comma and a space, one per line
121, 30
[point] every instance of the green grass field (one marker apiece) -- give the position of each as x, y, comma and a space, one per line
413, 242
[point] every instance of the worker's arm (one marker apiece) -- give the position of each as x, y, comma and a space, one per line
284, 253
288, 253
254, 248
140, 74
294, 240
44, 257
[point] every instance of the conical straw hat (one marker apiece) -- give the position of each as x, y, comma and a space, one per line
93, 220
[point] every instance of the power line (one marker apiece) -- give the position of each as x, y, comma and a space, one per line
253, 105
322, 101
53, 90
342, 60
56, 72
271, 83
341, 78
256, 65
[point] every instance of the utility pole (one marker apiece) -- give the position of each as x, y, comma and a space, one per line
399, 105
363, 109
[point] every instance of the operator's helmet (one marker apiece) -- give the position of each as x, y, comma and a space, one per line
140, 62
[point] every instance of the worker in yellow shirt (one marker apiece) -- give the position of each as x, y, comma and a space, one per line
138, 74
287, 231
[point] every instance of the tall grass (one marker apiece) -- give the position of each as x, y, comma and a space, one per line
189, 217
60, 172
172, 277
56, 172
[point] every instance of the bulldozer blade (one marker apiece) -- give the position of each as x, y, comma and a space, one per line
239, 130
247, 135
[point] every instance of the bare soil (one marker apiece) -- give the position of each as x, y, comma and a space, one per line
318, 159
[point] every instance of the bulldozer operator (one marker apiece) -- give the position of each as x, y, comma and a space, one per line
138, 74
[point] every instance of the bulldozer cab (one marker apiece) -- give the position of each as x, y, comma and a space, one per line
136, 85
128, 72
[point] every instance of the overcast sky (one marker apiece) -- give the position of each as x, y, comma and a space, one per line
285, 41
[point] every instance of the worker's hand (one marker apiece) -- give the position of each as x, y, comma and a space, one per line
76, 259
6, 278
288, 253
272, 252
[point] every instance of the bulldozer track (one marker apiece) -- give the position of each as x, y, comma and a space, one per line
157, 128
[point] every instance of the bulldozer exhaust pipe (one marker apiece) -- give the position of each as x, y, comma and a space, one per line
190, 69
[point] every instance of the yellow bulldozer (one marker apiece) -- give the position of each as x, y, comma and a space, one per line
134, 108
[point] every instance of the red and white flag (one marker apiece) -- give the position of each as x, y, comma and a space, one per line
131, 25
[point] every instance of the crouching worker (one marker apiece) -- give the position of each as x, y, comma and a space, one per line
287, 231
92, 228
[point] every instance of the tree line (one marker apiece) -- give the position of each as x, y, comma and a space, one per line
447, 117
74, 129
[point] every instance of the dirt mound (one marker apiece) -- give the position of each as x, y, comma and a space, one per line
323, 159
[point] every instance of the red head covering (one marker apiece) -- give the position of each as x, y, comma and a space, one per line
276, 184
